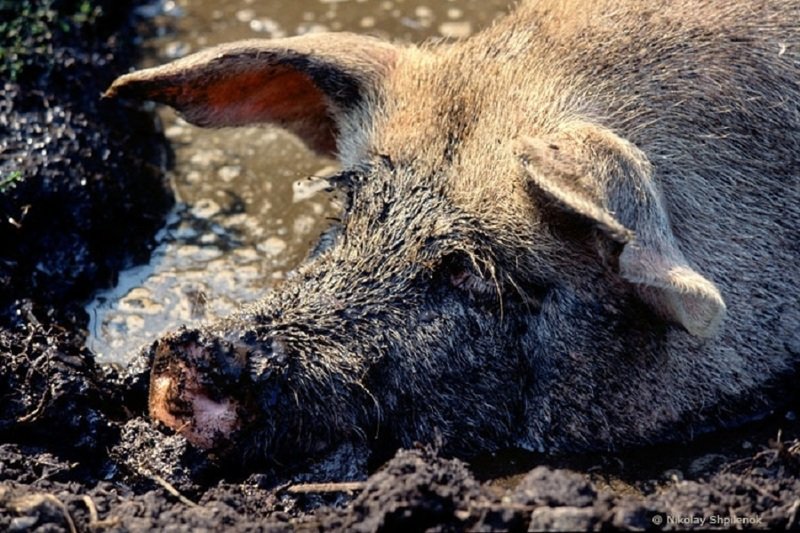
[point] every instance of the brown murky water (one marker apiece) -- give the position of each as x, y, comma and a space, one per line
251, 200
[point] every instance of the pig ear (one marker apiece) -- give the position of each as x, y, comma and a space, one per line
593, 174
305, 84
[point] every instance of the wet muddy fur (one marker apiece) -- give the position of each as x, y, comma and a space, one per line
78, 454
586, 250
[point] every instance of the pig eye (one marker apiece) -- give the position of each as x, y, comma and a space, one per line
461, 273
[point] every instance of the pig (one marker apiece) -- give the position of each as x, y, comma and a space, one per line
575, 230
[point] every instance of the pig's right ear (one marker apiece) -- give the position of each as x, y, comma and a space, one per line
602, 179
305, 84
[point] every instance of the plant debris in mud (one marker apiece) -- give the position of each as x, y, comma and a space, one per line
82, 188
83, 192
416, 490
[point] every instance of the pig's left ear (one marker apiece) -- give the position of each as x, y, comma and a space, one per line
591, 173
305, 84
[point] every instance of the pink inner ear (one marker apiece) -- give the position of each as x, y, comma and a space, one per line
276, 94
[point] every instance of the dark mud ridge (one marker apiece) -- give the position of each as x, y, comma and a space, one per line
82, 192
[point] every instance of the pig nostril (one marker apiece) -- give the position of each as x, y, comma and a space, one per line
179, 401
161, 405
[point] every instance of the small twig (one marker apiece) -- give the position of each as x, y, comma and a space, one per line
30, 316
26, 504
54, 465
106, 523
94, 518
306, 488
172, 490
491, 506
794, 515
58, 503
759, 490
464, 514
749, 462
33, 415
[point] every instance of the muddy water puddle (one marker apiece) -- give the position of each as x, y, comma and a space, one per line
251, 201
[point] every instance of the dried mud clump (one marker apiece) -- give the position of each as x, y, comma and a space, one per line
415, 491
50, 390
419, 491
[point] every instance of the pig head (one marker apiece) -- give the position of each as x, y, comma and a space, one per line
539, 240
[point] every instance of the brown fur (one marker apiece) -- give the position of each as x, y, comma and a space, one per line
622, 178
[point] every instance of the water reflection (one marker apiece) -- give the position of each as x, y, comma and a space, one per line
250, 204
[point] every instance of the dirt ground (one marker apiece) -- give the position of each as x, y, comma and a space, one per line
83, 192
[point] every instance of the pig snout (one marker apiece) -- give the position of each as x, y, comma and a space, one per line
179, 402
194, 389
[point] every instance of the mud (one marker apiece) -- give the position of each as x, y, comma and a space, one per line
416, 490
83, 194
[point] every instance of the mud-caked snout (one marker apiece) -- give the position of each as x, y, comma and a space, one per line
198, 388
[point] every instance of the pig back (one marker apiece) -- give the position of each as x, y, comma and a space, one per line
709, 91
